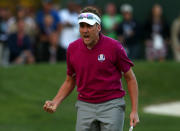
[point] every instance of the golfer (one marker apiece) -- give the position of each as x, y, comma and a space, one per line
96, 64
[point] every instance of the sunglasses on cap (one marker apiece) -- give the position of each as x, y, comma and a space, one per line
89, 16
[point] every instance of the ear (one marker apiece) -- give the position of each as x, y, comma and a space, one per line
99, 27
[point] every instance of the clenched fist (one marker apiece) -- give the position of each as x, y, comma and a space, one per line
50, 106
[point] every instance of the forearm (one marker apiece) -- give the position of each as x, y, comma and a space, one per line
132, 89
64, 91
133, 93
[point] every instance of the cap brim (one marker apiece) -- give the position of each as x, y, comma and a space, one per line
90, 22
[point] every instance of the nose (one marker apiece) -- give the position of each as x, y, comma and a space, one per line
84, 29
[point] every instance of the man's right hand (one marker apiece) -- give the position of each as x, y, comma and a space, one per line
50, 106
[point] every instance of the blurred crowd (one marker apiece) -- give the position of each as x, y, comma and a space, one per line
28, 36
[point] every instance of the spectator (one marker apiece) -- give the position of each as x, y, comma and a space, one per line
4, 23
110, 20
175, 38
20, 45
156, 35
42, 47
48, 10
3, 36
70, 27
128, 32
48, 22
30, 25
55, 53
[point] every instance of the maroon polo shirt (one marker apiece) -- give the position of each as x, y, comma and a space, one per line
98, 71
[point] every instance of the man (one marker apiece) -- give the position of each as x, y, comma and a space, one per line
70, 26
4, 16
48, 10
175, 38
110, 20
128, 32
20, 46
48, 21
95, 64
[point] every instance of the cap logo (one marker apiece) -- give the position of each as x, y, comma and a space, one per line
101, 57
89, 18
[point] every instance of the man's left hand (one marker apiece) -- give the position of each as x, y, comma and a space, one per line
134, 119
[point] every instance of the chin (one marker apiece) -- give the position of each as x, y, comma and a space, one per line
87, 43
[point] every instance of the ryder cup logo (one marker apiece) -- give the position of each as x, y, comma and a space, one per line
101, 57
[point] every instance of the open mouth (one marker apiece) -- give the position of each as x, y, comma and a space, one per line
86, 37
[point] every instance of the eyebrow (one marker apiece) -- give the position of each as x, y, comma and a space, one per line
84, 24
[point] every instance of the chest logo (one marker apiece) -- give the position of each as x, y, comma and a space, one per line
101, 57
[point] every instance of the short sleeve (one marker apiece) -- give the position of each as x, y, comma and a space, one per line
122, 61
70, 69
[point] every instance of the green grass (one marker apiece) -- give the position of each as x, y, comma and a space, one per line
23, 90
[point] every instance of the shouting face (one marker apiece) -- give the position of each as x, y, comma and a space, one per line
89, 34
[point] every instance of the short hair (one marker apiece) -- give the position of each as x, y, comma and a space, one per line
91, 9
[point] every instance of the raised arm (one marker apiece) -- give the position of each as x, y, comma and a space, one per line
64, 91
133, 92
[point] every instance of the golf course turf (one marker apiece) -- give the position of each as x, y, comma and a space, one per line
24, 89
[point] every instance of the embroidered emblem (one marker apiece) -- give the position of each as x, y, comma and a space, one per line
101, 57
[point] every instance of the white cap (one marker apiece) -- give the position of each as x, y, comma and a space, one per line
89, 18
126, 8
